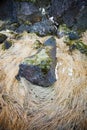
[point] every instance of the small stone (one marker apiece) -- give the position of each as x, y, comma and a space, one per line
2, 25
3, 37
12, 26
73, 35
6, 45
37, 44
62, 30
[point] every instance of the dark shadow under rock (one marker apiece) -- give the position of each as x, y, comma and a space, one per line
39, 69
8, 10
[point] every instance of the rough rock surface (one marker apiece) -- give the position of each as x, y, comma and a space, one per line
3, 37
43, 28
39, 69
6, 45
67, 11
72, 13
27, 11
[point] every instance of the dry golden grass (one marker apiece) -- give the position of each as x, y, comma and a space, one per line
24, 106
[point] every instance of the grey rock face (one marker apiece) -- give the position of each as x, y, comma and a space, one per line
67, 11
27, 11
70, 12
39, 69
26, 8
81, 24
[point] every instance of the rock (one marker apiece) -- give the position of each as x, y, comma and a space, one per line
65, 11
2, 25
39, 69
73, 35
37, 44
26, 8
81, 47
3, 37
81, 24
13, 26
62, 30
43, 28
27, 11
6, 45
22, 28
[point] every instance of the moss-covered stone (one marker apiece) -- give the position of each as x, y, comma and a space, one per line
63, 30
7, 44
68, 41
37, 44
2, 25
12, 26
81, 47
76, 44
41, 59
3, 37
39, 69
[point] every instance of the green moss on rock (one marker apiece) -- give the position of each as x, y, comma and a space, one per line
78, 44
81, 47
41, 59
64, 28
7, 44
3, 37
37, 44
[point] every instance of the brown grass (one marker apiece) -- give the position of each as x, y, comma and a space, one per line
24, 106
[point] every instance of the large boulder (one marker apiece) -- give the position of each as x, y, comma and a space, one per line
81, 24
39, 69
67, 11
27, 11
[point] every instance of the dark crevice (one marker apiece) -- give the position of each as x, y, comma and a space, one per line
7, 9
